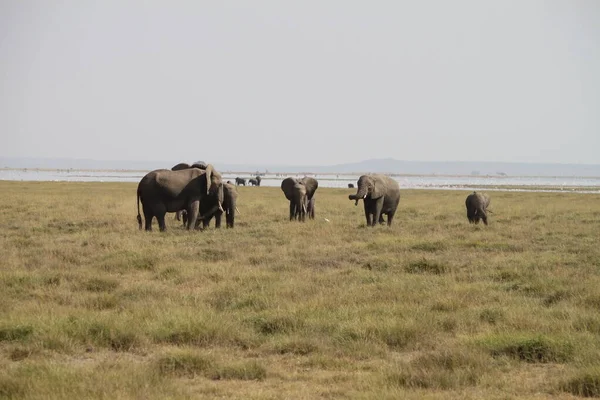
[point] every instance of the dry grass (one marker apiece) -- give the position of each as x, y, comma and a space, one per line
432, 307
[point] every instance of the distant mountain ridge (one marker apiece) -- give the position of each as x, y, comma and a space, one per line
387, 165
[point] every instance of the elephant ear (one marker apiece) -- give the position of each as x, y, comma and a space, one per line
311, 185
379, 188
287, 185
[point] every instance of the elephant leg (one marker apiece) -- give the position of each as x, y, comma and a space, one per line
483, 216
377, 211
218, 216
381, 220
148, 215
193, 210
161, 221
178, 215
390, 217
292, 210
230, 218
368, 213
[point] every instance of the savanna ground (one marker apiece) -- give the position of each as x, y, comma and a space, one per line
432, 307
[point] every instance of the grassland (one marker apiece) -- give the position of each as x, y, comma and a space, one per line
432, 307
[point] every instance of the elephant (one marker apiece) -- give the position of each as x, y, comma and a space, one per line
300, 201
163, 190
351, 186
253, 182
477, 204
380, 194
210, 208
240, 181
179, 167
258, 179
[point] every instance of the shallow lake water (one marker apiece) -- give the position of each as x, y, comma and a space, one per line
525, 183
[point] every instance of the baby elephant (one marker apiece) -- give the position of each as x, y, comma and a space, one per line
477, 204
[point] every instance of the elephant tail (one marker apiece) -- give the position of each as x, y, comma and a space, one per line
139, 217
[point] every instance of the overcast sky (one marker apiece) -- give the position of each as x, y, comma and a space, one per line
306, 82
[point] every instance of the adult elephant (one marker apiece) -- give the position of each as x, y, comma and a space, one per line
258, 179
210, 208
294, 194
164, 190
351, 186
253, 182
380, 194
240, 181
477, 204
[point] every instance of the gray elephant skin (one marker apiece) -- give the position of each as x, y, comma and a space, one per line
164, 190
300, 193
197, 164
380, 195
210, 208
240, 181
477, 207
179, 167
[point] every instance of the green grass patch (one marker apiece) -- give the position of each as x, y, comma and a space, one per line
531, 349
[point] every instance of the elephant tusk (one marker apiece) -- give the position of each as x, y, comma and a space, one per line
220, 207
365, 196
237, 211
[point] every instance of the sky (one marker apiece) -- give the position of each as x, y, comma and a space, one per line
301, 83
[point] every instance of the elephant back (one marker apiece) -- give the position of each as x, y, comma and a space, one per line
181, 166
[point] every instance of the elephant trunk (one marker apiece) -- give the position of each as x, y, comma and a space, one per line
361, 193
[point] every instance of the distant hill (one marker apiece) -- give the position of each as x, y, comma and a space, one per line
387, 165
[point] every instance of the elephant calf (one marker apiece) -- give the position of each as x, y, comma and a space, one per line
477, 204
300, 193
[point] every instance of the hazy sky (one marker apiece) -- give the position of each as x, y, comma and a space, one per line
305, 82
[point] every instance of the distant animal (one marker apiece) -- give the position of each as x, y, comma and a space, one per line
300, 193
477, 204
240, 181
380, 195
351, 186
258, 179
163, 191
253, 182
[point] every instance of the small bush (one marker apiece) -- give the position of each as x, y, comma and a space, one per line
424, 266
250, 371
444, 370
10, 333
278, 324
539, 349
101, 285
587, 384
491, 316
184, 364
429, 246
300, 347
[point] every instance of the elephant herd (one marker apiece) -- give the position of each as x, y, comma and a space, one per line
197, 193
252, 181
